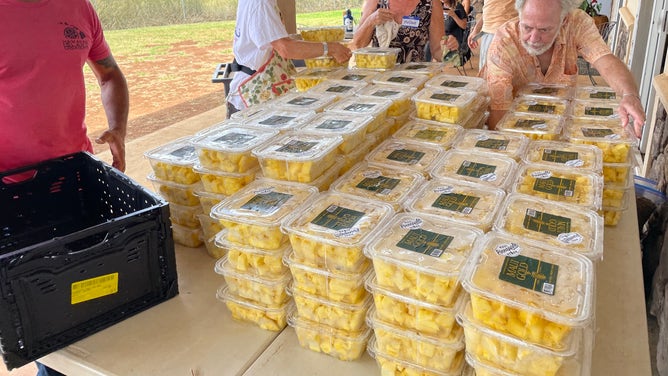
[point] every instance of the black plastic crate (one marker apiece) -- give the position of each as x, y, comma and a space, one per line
82, 247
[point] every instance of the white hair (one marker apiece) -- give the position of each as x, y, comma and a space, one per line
566, 6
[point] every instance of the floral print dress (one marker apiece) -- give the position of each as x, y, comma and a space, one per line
412, 40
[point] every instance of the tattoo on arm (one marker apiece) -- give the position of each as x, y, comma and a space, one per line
108, 63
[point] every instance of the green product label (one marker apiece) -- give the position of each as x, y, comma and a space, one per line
453, 84
599, 111
400, 79
546, 91
234, 138
559, 156
406, 156
266, 203
528, 123
380, 184
333, 124
302, 101
385, 93
603, 95
493, 144
542, 108
530, 273
277, 120
556, 186
337, 218
474, 169
353, 77
338, 89
546, 223
296, 147
425, 242
416, 67
456, 202
445, 97
359, 107
597, 132
430, 135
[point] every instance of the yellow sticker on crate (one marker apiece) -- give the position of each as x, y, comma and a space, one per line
94, 288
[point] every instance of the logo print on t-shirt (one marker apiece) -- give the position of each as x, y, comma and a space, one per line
75, 39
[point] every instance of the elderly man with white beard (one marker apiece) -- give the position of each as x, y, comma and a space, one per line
542, 46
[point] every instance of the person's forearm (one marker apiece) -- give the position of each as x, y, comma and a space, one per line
494, 118
115, 101
363, 35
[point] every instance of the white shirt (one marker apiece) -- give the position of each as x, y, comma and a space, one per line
258, 24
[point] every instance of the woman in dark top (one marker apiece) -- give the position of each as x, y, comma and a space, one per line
455, 19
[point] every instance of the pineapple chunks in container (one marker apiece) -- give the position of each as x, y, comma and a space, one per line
596, 110
429, 69
304, 102
267, 317
253, 261
174, 161
268, 291
253, 216
564, 154
351, 128
393, 366
322, 33
224, 183
308, 78
400, 96
281, 120
538, 294
490, 169
534, 126
446, 105
417, 156
340, 88
540, 106
421, 257
546, 90
354, 75
175, 193
331, 231
374, 58
596, 93
464, 83
343, 316
401, 79
614, 141
508, 144
228, 149
324, 62
443, 135
373, 107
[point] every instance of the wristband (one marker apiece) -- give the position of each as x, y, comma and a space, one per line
325, 49
631, 95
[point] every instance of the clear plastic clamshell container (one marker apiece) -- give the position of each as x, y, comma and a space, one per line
354, 75
185, 215
422, 67
540, 106
493, 170
267, 317
576, 229
504, 143
390, 365
279, 120
253, 216
534, 126
401, 78
596, 110
417, 156
224, 183
240, 116
298, 157
332, 230
181, 194
351, 128
416, 347
373, 107
596, 93
308, 78
174, 161
616, 195
458, 201
443, 135
210, 226
465, 83
545, 90
356, 156
381, 183
538, 294
254, 261
374, 58
187, 236
420, 256
229, 149
619, 173
324, 62
567, 185
400, 97
322, 33
614, 141
446, 105
340, 88
267, 291
303, 102
564, 154
343, 316
207, 200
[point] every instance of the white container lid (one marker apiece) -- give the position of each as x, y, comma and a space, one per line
298, 147
532, 125
494, 170
405, 154
563, 294
564, 154
234, 139
443, 135
503, 143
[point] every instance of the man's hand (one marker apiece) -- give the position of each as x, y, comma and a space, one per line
116, 141
630, 106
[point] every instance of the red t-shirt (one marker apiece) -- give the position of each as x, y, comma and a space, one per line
43, 48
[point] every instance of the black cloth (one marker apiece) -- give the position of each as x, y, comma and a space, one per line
236, 67
451, 26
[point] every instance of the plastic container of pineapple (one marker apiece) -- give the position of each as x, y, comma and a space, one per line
176, 193
185, 215
224, 183
340, 344
611, 215
400, 97
423, 67
279, 120
340, 88
267, 317
187, 236
376, 108
540, 106
567, 185
545, 90
174, 161
539, 294
443, 355
208, 200
343, 316
596, 93
564, 154
597, 110
559, 225
374, 58
212, 249
241, 116
517, 356
324, 62
339, 287
268, 291
464, 83
308, 78
402, 79
412, 314
354, 75
229, 149
443, 135
331, 231
303, 102
380, 183
322, 33
620, 173
358, 155
508, 144
477, 121
533, 126
210, 226
616, 195
493, 170
390, 365
614, 141
255, 262
351, 128
421, 257
329, 176
416, 156
298, 157
253, 216
446, 105
458, 201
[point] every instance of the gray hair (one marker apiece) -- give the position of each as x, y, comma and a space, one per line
566, 6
